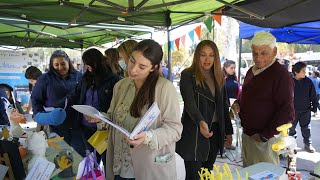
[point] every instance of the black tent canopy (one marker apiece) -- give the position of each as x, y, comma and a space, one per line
275, 13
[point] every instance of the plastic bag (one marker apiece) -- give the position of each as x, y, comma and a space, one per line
90, 172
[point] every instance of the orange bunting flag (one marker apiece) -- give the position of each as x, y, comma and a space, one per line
183, 40
198, 31
218, 17
177, 42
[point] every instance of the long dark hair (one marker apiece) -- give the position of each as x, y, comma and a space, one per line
153, 52
57, 54
94, 58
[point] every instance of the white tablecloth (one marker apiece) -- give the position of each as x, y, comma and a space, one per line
257, 168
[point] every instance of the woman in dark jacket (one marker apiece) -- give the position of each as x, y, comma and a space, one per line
232, 84
51, 90
205, 116
95, 89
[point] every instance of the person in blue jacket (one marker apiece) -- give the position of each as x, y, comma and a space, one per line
95, 89
232, 84
4, 120
305, 101
316, 83
13, 102
54, 89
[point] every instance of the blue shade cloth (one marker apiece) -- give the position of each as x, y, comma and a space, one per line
305, 33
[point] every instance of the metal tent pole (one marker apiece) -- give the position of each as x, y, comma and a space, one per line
213, 30
168, 23
239, 63
169, 54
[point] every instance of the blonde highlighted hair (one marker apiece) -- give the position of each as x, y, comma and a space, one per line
215, 69
127, 48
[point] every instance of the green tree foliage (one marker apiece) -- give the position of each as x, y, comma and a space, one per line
246, 46
178, 56
285, 48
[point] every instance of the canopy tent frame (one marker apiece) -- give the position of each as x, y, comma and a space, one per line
90, 7
98, 28
114, 12
275, 13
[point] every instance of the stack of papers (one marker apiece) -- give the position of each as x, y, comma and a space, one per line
144, 124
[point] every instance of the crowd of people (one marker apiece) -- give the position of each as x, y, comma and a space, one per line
124, 82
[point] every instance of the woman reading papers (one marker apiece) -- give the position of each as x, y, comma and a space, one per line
152, 152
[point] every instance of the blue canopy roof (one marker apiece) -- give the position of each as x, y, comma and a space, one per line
305, 33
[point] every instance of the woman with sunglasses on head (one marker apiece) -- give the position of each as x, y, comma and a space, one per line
151, 154
54, 89
94, 89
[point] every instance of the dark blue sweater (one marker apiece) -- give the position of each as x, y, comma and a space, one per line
3, 115
232, 86
305, 98
104, 92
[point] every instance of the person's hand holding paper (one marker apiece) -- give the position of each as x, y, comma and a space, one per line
137, 140
91, 119
144, 124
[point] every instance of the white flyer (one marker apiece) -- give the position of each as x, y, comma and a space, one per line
41, 170
144, 124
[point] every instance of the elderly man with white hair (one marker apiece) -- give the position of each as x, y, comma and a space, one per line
265, 103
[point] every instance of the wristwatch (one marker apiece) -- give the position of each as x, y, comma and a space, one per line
262, 138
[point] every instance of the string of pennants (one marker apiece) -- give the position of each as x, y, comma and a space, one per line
181, 40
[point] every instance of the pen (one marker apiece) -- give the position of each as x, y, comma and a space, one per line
315, 175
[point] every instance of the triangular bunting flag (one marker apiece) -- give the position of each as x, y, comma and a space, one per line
198, 31
183, 40
177, 42
208, 24
172, 45
218, 17
191, 35
165, 47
